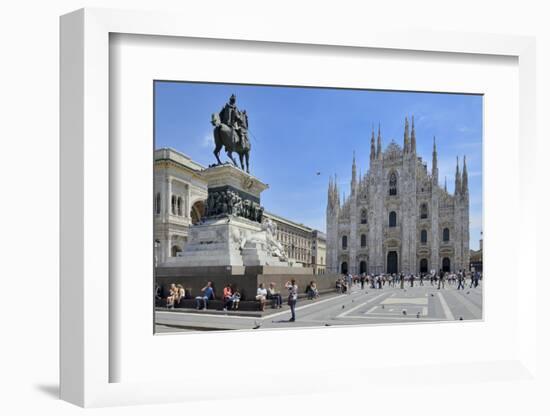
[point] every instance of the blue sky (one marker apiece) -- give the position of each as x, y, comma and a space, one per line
297, 132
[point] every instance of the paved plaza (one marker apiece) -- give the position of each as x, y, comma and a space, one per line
388, 305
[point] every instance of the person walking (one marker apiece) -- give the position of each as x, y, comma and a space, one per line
421, 279
441, 280
461, 281
362, 281
349, 281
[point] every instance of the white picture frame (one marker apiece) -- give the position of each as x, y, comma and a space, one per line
87, 332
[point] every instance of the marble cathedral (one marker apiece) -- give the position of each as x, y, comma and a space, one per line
397, 218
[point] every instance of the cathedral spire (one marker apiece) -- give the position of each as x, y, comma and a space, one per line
372, 148
413, 138
353, 175
458, 182
336, 191
464, 178
406, 137
379, 144
435, 170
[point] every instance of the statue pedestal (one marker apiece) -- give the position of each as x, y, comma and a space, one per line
224, 177
231, 246
232, 234
216, 242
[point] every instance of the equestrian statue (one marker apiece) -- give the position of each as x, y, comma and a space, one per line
231, 132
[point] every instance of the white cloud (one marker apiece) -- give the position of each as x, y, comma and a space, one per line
207, 140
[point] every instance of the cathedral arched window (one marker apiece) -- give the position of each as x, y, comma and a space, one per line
446, 234
363, 216
423, 236
424, 211
392, 219
180, 206
393, 184
157, 203
363, 240
345, 242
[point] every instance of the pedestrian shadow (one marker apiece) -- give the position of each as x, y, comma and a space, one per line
280, 321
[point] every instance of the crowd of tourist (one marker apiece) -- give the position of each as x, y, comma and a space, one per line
402, 280
231, 297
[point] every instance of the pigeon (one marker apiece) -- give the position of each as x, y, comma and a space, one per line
382, 306
431, 294
460, 318
318, 173
343, 306
327, 324
404, 311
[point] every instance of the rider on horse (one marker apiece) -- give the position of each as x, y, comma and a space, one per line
235, 119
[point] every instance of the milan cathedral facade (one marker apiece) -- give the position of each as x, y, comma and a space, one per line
397, 218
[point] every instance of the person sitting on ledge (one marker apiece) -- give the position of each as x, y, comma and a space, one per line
235, 299
261, 296
274, 296
207, 294
181, 293
227, 297
312, 292
171, 298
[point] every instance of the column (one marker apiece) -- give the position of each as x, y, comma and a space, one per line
168, 197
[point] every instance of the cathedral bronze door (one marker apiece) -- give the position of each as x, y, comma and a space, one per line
446, 265
392, 262
424, 266
344, 268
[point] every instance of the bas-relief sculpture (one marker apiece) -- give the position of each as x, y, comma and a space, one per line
228, 202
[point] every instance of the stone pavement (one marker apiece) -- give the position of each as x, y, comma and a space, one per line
361, 307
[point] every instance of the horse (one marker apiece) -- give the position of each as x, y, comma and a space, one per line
224, 136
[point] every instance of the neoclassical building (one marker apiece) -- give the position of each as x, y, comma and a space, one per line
396, 217
181, 191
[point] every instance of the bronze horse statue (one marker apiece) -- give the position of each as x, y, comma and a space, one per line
227, 137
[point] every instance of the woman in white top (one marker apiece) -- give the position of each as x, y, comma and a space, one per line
261, 296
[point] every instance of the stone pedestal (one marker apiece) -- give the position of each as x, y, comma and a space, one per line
231, 245
216, 242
